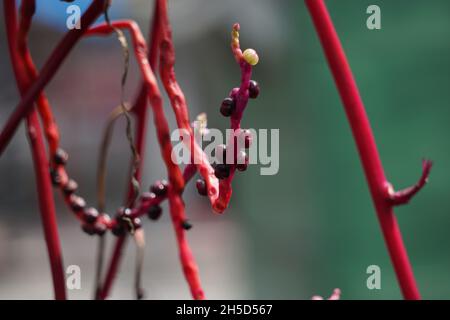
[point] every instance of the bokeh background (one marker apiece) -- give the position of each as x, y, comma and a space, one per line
304, 231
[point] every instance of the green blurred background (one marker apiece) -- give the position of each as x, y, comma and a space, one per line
311, 227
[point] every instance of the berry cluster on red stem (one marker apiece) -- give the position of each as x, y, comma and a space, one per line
53, 171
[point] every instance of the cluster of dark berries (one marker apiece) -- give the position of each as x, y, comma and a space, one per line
158, 189
229, 104
125, 222
223, 169
77, 204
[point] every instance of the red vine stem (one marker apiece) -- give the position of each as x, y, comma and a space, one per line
48, 71
380, 188
44, 188
175, 176
140, 111
179, 104
242, 97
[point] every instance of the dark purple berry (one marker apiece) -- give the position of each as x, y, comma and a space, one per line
90, 215
55, 177
89, 229
253, 90
118, 229
201, 187
70, 187
227, 107
100, 229
154, 212
186, 225
159, 188
147, 196
60, 157
77, 203
222, 171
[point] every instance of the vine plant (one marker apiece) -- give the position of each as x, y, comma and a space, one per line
158, 57
215, 182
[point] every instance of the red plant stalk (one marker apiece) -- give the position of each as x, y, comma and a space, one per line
175, 176
179, 104
44, 187
383, 196
140, 111
53, 63
242, 97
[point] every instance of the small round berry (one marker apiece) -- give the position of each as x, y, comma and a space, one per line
137, 223
60, 157
100, 229
55, 177
118, 229
251, 57
222, 171
70, 187
233, 93
123, 212
88, 229
159, 188
221, 153
253, 89
186, 225
227, 107
147, 196
154, 212
242, 161
201, 187
77, 203
90, 215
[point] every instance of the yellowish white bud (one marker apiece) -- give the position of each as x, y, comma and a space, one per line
251, 57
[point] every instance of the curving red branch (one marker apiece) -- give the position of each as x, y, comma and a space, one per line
23, 70
381, 190
31, 84
179, 104
175, 175
53, 63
